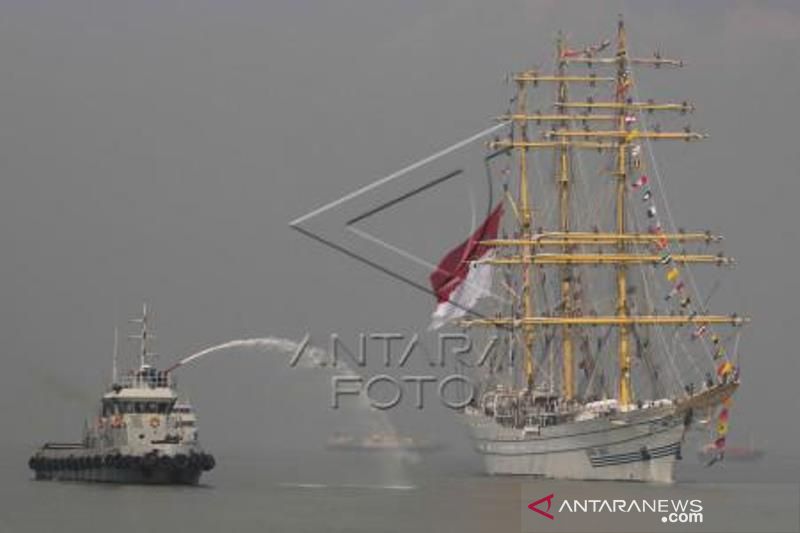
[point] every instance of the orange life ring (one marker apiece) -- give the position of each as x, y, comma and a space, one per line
155, 422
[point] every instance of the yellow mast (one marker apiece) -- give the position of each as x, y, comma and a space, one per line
619, 259
623, 80
525, 215
562, 175
612, 320
556, 238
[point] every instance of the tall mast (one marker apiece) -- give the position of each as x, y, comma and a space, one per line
526, 235
623, 79
617, 247
562, 176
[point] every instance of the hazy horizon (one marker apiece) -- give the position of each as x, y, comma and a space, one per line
157, 152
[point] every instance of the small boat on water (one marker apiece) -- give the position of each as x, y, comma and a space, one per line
380, 442
141, 434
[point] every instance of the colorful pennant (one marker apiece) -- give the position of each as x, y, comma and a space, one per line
640, 182
699, 332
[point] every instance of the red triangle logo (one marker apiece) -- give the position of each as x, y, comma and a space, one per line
546, 514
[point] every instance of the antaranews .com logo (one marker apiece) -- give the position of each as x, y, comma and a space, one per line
671, 511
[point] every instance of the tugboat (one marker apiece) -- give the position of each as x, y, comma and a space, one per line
141, 434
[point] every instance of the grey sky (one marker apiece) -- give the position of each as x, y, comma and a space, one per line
158, 150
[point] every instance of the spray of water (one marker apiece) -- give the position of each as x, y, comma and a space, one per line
308, 356
312, 356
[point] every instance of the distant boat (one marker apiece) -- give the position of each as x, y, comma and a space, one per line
380, 442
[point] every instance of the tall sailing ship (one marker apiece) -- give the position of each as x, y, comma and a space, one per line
612, 355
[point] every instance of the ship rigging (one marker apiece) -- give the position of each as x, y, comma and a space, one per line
593, 271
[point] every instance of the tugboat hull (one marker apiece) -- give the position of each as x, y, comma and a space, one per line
147, 469
116, 475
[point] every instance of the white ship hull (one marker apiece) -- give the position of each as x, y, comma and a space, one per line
641, 445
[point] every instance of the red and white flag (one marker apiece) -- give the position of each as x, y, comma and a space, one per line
461, 279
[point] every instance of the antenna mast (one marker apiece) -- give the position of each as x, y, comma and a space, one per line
143, 336
114, 357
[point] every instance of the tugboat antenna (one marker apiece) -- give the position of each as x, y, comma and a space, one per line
114, 357
143, 337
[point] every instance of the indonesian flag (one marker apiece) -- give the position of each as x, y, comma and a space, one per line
461, 279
